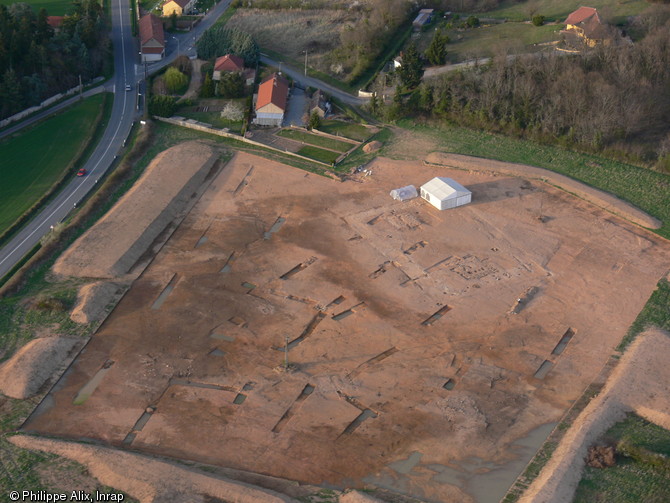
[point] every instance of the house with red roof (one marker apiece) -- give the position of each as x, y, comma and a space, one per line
152, 38
232, 63
55, 22
586, 25
271, 101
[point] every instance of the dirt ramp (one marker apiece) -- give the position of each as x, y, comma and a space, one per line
163, 194
603, 199
93, 300
639, 384
26, 372
150, 480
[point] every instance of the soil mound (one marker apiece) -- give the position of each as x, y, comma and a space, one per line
599, 198
150, 480
373, 146
93, 300
601, 456
26, 372
163, 194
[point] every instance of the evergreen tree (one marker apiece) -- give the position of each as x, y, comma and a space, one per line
314, 121
411, 69
207, 89
437, 51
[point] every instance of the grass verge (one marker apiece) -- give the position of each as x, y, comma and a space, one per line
31, 176
315, 140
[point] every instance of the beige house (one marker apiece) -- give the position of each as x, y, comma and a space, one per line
152, 38
272, 100
586, 26
180, 7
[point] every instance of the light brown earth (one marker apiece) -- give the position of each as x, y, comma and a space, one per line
94, 300
34, 364
640, 384
186, 365
119, 240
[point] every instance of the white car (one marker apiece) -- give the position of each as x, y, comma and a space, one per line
128, 88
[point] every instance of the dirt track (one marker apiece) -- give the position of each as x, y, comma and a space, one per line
413, 354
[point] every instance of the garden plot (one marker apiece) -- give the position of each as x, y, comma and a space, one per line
410, 365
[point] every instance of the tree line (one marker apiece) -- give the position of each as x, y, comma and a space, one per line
37, 62
219, 41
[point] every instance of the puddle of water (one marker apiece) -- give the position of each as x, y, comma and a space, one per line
563, 343
544, 369
221, 337
239, 399
450, 384
248, 285
201, 241
228, 265
216, 352
87, 390
275, 227
405, 466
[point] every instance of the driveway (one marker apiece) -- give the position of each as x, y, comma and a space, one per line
297, 105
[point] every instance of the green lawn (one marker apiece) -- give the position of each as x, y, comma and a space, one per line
213, 118
648, 190
629, 481
318, 141
350, 130
32, 161
53, 7
485, 41
318, 154
558, 10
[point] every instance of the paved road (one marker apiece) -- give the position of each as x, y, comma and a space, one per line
121, 120
307, 81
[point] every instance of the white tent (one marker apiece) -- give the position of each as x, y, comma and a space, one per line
404, 193
445, 193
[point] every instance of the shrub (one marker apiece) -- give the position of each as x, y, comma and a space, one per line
472, 22
538, 20
175, 81
163, 106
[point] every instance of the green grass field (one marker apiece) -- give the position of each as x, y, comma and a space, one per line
558, 10
318, 154
32, 161
486, 40
317, 141
629, 481
350, 130
647, 189
53, 7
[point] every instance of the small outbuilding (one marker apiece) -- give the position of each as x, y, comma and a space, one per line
404, 193
445, 193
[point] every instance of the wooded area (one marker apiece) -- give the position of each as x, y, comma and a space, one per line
37, 62
616, 97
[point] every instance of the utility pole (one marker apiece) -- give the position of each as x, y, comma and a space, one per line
305, 62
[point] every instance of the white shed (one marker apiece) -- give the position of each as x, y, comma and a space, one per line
445, 193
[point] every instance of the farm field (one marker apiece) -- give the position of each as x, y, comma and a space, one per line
53, 7
377, 299
316, 140
33, 160
629, 480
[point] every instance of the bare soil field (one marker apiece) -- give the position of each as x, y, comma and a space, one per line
424, 347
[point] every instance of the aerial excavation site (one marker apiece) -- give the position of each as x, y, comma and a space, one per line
299, 327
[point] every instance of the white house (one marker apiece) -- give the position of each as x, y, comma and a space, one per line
445, 193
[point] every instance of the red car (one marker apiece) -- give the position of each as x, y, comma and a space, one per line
81, 172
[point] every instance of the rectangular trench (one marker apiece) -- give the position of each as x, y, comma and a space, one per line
290, 412
436, 316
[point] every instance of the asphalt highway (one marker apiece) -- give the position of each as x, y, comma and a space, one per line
121, 120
